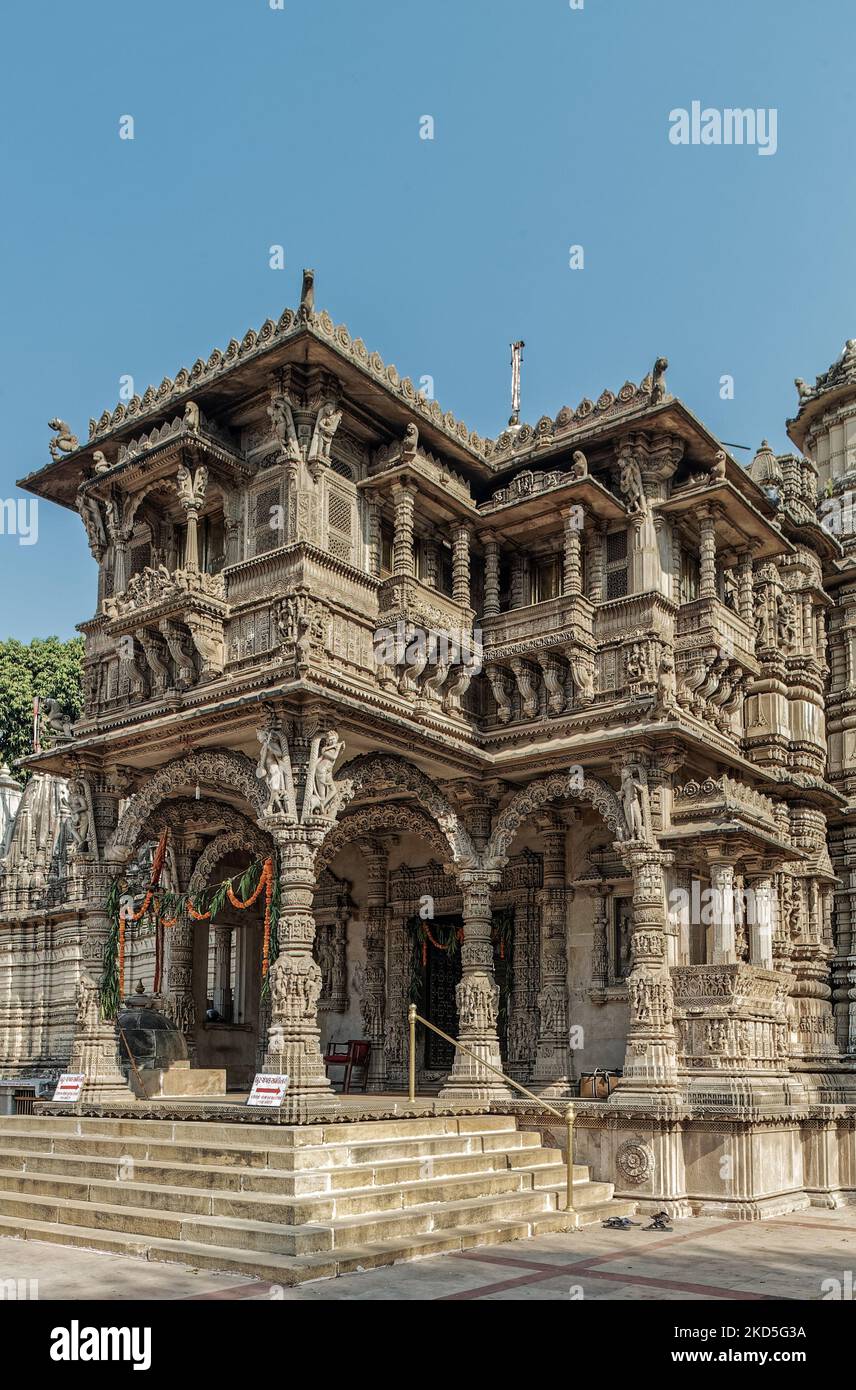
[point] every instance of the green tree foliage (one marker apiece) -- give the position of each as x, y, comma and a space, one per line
45, 666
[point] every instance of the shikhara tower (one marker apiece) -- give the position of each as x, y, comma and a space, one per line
542, 696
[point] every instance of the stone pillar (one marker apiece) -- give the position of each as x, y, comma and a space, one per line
650, 1065
707, 554
223, 971
374, 530
294, 1037
724, 951
121, 539
595, 563
519, 596
600, 941
760, 908
403, 562
491, 574
95, 1050
431, 563
179, 943
745, 600
573, 570
373, 1004
477, 997
551, 1072
461, 565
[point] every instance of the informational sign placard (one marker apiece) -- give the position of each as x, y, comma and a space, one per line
268, 1090
69, 1086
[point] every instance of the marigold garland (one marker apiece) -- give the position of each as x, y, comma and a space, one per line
179, 905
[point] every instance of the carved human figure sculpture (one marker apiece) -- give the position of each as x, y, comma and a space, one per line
631, 799
274, 767
324, 788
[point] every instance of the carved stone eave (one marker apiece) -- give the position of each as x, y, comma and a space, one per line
446, 496
526, 510
162, 459
738, 521
740, 837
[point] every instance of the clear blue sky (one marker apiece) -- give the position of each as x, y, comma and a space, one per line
300, 126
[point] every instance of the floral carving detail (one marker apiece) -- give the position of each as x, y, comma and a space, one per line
635, 1162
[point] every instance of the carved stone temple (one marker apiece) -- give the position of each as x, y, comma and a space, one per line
552, 733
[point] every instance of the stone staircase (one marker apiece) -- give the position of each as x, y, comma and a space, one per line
286, 1204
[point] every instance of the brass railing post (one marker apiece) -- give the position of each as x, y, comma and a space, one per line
569, 1158
411, 1060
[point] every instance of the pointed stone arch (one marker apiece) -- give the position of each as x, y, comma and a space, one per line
213, 768
530, 799
373, 819
379, 772
251, 839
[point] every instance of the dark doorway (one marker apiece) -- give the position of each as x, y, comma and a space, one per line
442, 973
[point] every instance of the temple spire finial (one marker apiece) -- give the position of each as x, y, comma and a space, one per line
516, 364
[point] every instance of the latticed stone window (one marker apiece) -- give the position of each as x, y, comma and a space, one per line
141, 557
265, 533
616, 565
689, 576
340, 513
546, 579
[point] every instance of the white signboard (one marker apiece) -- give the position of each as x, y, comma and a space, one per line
268, 1090
69, 1086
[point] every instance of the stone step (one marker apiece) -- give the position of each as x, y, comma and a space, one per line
323, 1200
274, 1135
261, 1206
287, 1270
319, 1238
312, 1157
245, 1232
541, 1163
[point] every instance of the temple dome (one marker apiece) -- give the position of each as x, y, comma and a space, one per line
765, 469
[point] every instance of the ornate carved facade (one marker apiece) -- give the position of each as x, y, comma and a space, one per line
537, 727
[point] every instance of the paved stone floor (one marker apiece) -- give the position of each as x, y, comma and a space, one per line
791, 1257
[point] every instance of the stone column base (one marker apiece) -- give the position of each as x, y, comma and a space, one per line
96, 1054
309, 1086
469, 1081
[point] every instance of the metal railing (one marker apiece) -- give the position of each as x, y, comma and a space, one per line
567, 1118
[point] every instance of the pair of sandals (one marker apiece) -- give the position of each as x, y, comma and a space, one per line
659, 1222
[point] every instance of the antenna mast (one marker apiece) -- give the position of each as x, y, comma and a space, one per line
516, 364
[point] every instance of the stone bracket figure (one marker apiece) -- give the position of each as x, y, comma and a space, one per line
630, 483
322, 795
274, 768
634, 791
81, 820
326, 424
282, 418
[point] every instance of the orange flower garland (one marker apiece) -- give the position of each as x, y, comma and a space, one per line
265, 883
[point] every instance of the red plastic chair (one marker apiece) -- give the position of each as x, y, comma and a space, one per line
353, 1057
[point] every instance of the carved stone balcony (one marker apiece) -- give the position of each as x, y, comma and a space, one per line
553, 623
715, 661
731, 1026
539, 659
709, 623
177, 619
425, 645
